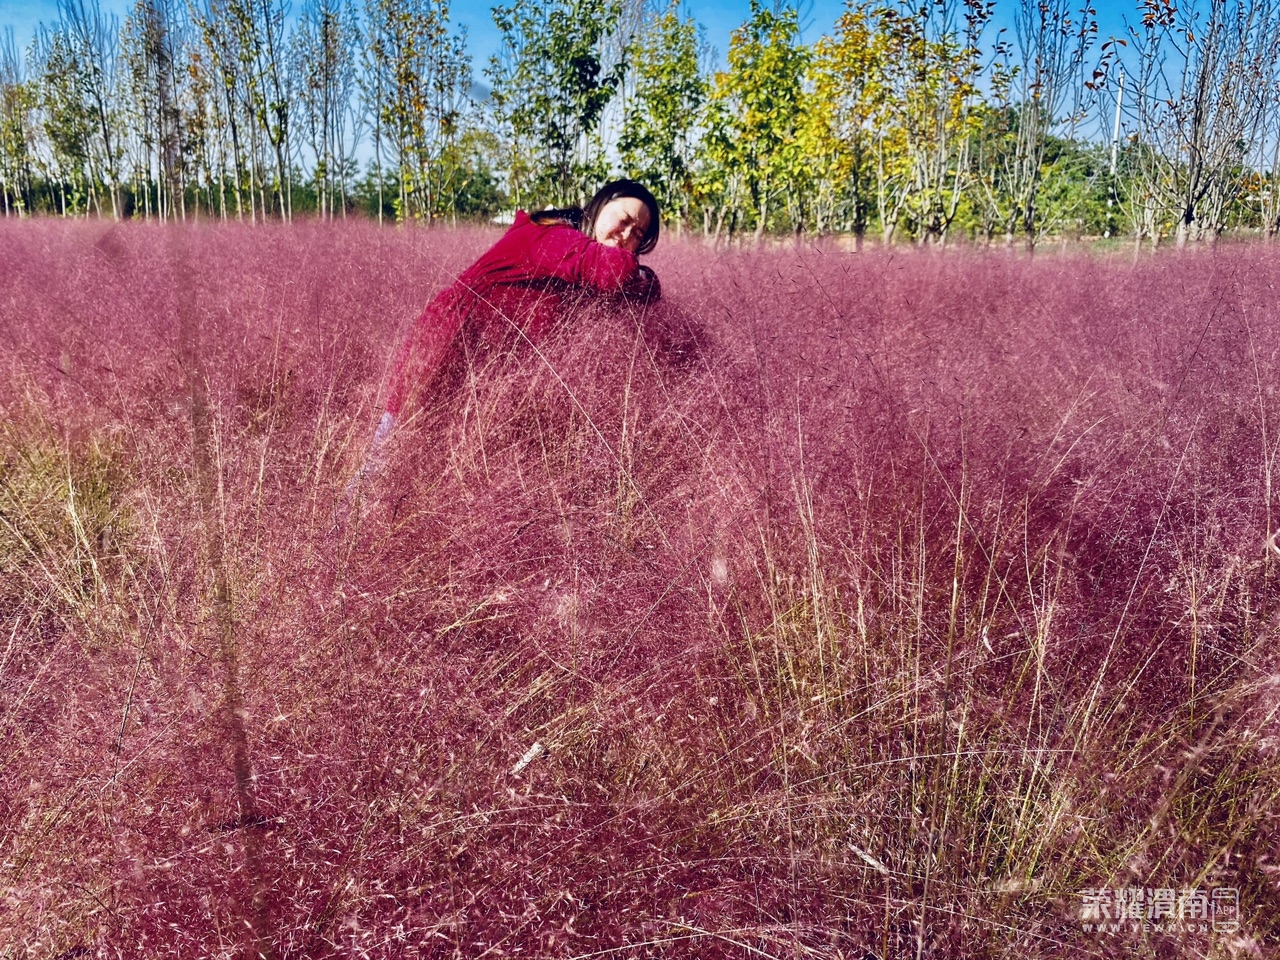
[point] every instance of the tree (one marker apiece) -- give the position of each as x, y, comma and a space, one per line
263, 44
92, 39
1043, 91
552, 81
17, 130
244, 43
658, 130
931, 71
420, 75
203, 128
233, 82
324, 51
67, 118
755, 112
1206, 84
847, 99
167, 147
1073, 190
472, 185
1268, 183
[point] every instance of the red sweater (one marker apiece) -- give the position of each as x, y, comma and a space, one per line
516, 284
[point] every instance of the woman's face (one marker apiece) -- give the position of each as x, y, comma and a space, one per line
622, 222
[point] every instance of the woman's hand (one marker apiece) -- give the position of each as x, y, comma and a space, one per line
643, 288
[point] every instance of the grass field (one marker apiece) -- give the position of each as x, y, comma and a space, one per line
881, 605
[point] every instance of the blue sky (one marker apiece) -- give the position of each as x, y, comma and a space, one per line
718, 17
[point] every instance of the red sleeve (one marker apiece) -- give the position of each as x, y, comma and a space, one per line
563, 253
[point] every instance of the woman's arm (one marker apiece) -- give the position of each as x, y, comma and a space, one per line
562, 253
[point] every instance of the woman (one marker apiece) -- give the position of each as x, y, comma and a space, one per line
517, 286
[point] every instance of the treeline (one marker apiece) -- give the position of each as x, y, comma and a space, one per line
905, 120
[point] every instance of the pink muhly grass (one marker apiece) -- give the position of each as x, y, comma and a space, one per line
867, 605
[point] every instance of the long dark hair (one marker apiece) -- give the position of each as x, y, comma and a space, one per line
584, 218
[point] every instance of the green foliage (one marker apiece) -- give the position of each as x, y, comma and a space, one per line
907, 119
68, 119
931, 73
18, 100
422, 72
1072, 186
658, 133
1073, 189
473, 190
170, 133
752, 150
847, 96
552, 82
324, 50
373, 193
470, 187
